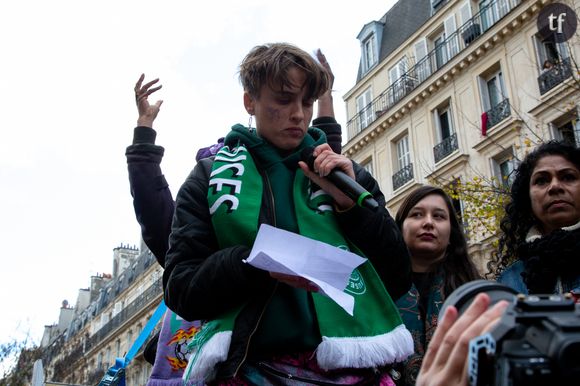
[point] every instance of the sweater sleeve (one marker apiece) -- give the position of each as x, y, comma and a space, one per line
152, 199
201, 280
379, 238
332, 130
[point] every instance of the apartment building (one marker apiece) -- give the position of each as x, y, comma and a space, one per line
105, 322
452, 89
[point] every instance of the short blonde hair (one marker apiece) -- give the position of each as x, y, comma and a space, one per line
270, 63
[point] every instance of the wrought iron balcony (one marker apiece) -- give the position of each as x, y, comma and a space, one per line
126, 313
455, 43
445, 147
402, 176
552, 77
498, 113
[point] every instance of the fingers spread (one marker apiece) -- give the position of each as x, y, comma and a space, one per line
139, 82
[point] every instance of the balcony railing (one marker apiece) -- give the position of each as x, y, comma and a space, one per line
498, 113
402, 176
126, 313
549, 79
445, 147
456, 42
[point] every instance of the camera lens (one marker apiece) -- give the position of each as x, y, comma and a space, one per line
462, 297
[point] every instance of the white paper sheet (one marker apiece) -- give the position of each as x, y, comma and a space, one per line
329, 267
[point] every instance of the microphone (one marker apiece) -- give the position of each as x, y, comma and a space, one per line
343, 182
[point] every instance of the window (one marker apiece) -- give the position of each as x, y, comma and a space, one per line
118, 307
398, 81
553, 61
441, 56
364, 109
369, 52
548, 49
436, 4
445, 42
493, 10
493, 97
129, 339
405, 172
398, 70
504, 165
368, 166
493, 90
100, 360
104, 319
443, 124
451, 36
445, 133
403, 154
567, 129
422, 63
118, 348
468, 25
465, 13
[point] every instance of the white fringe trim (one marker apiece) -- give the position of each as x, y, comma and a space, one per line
365, 352
213, 351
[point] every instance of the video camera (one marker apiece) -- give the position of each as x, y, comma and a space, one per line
536, 342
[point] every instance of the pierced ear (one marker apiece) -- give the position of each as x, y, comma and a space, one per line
249, 103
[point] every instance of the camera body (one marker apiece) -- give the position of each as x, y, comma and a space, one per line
536, 342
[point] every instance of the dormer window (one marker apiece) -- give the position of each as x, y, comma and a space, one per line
370, 52
436, 4
370, 41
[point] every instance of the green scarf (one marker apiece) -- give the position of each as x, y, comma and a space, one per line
374, 336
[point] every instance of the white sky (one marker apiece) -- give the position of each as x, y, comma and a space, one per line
67, 114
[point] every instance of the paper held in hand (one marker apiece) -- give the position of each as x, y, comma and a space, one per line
329, 267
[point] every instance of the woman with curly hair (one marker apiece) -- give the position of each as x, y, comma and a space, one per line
439, 263
540, 242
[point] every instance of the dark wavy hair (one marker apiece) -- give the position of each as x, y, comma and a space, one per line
518, 218
457, 266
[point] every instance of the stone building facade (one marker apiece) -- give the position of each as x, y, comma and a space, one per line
456, 89
105, 321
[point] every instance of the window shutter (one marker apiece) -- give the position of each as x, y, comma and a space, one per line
451, 36
420, 50
437, 125
484, 94
465, 12
421, 65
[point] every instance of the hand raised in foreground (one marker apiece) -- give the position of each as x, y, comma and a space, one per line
446, 360
147, 112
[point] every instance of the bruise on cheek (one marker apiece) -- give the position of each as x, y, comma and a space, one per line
273, 113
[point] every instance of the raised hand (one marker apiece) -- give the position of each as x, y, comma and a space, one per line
325, 106
322, 59
147, 112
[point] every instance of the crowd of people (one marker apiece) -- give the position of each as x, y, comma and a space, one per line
247, 326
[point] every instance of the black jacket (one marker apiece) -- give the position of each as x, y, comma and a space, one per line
201, 280
152, 199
